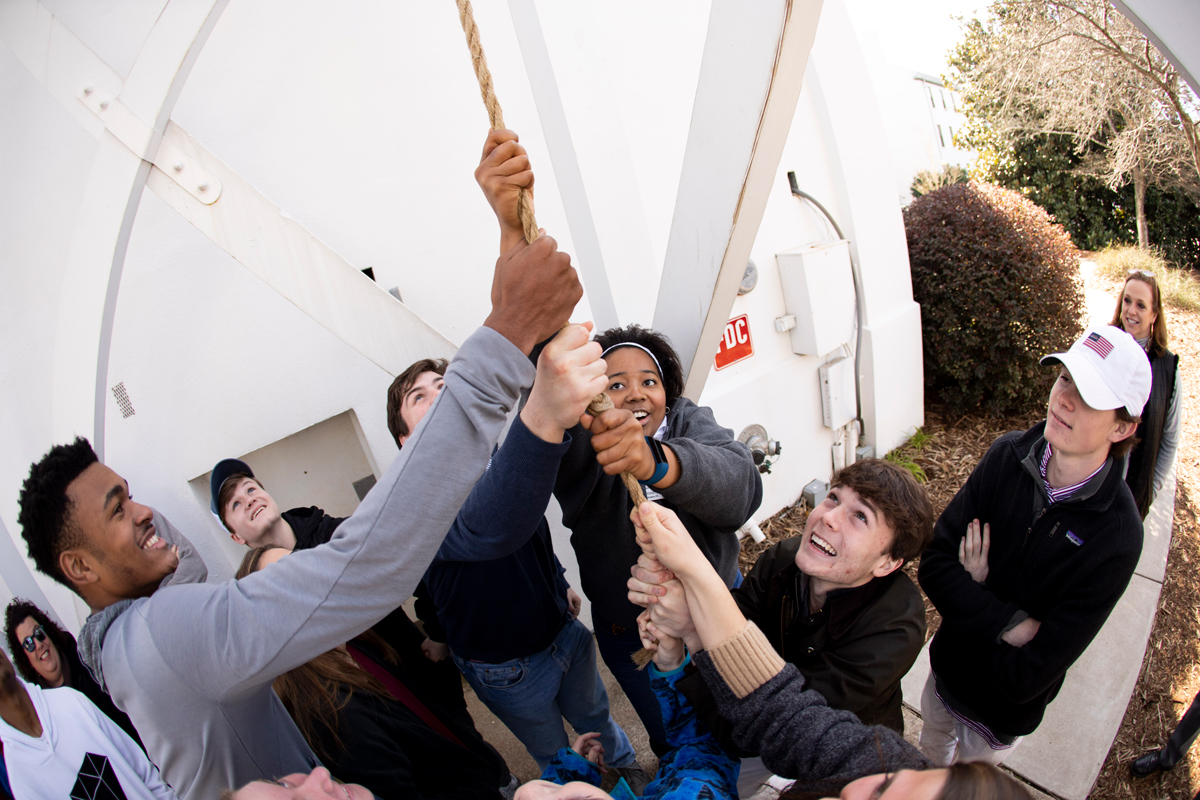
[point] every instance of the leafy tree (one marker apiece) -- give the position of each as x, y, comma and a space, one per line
1045, 168
1078, 69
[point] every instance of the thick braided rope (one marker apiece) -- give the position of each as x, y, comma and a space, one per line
487, 89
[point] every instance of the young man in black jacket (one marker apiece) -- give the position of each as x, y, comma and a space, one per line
1032, 554
833, 601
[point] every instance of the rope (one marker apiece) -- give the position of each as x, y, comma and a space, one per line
466, 15
601, 403
487, 89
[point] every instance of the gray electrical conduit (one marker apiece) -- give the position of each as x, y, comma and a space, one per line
858, 323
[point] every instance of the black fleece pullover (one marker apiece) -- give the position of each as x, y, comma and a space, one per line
1064, 564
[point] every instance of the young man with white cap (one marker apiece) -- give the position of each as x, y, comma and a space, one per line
1032, 554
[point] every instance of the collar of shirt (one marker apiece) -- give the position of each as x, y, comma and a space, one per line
1056, 495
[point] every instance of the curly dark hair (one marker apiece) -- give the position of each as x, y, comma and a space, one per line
656, 343
16, 613
45, 509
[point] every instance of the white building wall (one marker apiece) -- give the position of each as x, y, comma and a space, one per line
363, 123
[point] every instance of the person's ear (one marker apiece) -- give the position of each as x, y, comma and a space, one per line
887, 565
1122, 431
76, 565
238, 539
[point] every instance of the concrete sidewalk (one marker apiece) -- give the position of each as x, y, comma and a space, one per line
1063, 757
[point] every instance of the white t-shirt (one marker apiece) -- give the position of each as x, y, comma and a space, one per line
81, 753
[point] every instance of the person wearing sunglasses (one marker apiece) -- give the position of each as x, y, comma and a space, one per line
1140, 313
51, 659
58, 744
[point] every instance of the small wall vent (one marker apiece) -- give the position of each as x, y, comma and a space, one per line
123, 400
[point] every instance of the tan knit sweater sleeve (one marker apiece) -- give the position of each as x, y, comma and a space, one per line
746, 661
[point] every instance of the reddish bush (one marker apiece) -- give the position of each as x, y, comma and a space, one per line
998, 283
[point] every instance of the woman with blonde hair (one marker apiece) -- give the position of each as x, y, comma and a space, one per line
1140, 313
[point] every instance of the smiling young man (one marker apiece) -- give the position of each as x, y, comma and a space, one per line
192, 664
1032, 554
834, 601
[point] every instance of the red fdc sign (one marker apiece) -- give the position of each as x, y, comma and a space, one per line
735, 344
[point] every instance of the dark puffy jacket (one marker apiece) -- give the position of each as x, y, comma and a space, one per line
855, 653
1064, 564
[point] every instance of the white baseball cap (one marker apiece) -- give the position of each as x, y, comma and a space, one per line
1109, 367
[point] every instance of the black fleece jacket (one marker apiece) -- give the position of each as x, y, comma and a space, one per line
1065, 565
854, 651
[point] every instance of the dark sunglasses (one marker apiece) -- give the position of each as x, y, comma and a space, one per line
27, 642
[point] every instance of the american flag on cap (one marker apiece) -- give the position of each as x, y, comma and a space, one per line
1098, 343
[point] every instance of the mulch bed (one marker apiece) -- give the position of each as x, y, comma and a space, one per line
1170, 675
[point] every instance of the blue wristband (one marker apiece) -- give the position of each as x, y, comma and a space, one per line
661, 467
660, 472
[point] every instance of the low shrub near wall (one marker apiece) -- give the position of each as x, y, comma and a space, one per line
998, 283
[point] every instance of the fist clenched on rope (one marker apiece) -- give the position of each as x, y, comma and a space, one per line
655, 586
534, 291
504, 171
569, 374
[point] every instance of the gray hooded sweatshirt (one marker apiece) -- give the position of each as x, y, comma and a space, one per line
192, 665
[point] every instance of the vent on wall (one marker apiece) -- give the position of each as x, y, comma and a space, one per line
123, 400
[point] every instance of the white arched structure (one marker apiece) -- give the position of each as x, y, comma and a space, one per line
197, 187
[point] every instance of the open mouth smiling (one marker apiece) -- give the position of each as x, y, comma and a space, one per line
641, 414
254, 514
153, 542
822, 546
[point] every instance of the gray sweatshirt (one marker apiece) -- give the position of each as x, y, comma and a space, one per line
192, 665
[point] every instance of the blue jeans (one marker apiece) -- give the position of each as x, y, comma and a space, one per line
531, 696
617, 646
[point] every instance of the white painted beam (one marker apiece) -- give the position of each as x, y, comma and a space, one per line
589, 258
750, 78
298, 265
65, 66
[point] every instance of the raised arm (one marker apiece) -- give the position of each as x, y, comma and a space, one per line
243, 634
509, 501
718, 482
504, 170
797, 733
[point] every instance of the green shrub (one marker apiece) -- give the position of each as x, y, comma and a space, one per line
1178, 287
998, 283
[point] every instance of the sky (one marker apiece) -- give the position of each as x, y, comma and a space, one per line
916, 34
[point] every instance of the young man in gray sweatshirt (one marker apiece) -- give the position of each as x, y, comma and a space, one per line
192, 664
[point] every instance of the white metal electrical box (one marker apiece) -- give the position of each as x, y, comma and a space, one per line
837, 392
818, 288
